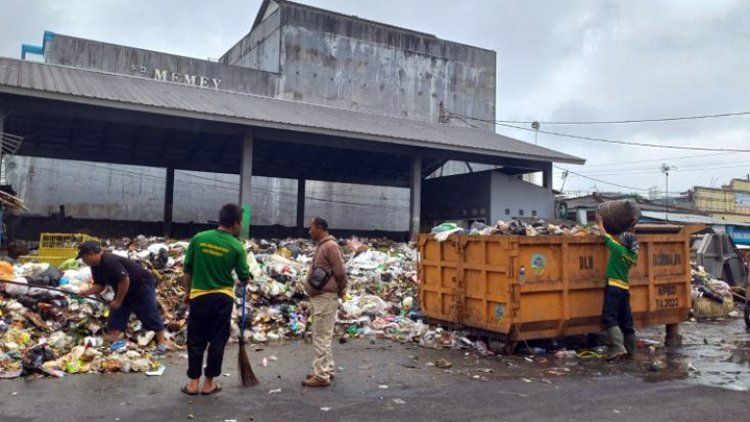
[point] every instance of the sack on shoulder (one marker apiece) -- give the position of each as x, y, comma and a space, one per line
319, 278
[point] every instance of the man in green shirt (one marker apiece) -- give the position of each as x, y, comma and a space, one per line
209, 290
616, 316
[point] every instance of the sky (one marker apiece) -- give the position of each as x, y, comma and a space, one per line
575, 60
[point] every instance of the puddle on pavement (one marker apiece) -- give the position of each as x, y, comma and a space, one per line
713, 354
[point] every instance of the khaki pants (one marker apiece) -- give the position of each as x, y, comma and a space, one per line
325, 308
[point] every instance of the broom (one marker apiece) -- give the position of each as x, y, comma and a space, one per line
246, 371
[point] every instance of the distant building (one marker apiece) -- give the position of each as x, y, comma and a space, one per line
583, 208
730, 202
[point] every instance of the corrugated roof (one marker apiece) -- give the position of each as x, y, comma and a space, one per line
689, 218
134, 93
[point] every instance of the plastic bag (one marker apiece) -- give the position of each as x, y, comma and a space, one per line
444, 227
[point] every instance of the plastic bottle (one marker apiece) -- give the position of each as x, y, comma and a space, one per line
566, 354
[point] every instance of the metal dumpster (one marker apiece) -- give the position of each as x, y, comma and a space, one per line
529, 288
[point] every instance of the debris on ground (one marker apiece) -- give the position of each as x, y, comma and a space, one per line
50, 332
46, 332
443, 364
712, 298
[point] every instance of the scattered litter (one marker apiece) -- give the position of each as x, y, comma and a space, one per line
527, 381
399, 401
566, 354
383, 387
656, 366
325, 409
556, 373
157, 372
274, 391
589, 354
443, 363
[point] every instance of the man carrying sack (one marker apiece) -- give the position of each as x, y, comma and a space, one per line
616, 315
326, 283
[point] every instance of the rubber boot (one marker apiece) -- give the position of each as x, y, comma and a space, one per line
617, 339
630, 344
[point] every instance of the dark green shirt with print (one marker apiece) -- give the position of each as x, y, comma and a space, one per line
621, 259
210, 259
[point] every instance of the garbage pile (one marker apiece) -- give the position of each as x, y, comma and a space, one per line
48, 332
516, 228
45, 331
712, 298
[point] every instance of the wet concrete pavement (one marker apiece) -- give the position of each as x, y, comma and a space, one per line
706, 379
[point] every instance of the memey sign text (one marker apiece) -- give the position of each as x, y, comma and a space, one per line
184, 78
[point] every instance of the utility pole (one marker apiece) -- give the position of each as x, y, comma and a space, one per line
665, 169
564, 178
535, 125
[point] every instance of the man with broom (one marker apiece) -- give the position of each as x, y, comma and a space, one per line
209, 290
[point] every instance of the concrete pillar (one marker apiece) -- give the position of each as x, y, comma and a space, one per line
547, 177
168, 202
301, 186
582, 216
246, 181
246, 169
2, 127
3, 113
415, 197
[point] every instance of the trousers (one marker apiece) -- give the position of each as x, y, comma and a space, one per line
616, 312
208, 328
325, 308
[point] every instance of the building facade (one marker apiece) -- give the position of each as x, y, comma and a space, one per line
730, 202
293, 52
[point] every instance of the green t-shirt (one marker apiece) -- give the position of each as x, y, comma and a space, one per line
210, 258
621, 259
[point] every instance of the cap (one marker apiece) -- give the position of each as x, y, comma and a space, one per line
88, 246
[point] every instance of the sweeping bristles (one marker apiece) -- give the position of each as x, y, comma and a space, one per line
246, 371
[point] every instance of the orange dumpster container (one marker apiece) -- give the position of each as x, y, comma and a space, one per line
528, 288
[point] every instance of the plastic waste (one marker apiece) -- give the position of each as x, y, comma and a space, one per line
444, 235
157, 372
566, 354
444, 227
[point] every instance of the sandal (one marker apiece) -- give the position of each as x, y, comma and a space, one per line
161, 350
217, 388
185, 390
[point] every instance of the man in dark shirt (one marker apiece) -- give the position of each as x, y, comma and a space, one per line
134, 287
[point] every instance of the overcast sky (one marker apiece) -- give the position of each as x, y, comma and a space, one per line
557, 61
